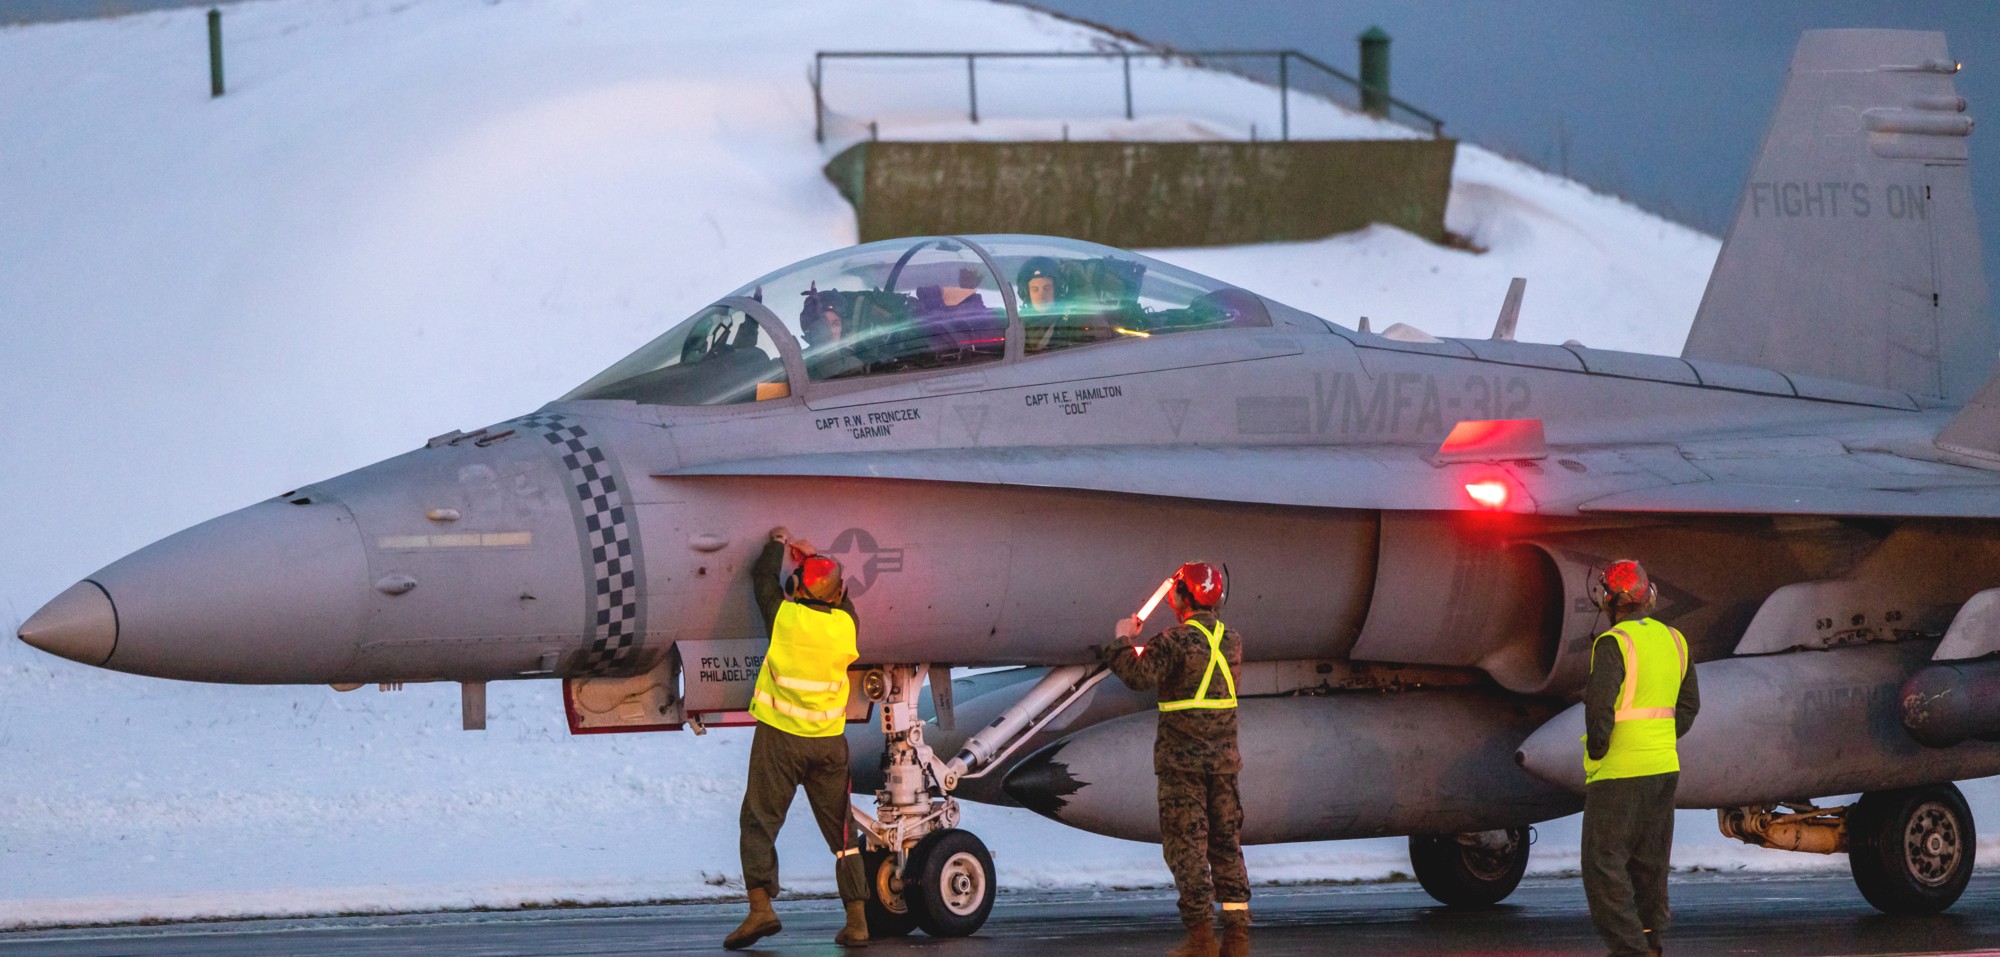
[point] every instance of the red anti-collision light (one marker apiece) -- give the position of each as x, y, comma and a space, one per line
1489, 493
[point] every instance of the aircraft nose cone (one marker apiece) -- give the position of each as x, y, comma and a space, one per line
79, 624
273, 593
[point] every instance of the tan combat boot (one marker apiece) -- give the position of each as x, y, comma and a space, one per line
762, 922
1200, 942
855, 934
1236, 933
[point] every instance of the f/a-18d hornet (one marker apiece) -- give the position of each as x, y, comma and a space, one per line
1008, 440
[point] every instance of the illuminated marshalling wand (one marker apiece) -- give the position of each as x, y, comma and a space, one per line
1146, 610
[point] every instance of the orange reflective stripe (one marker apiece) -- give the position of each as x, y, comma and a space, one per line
1643, 738
1235, 905
1629, 688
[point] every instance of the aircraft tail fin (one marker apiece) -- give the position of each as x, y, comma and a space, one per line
1855, 254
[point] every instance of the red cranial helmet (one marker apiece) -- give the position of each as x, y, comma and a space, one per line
1622, 583
818, 578
1201, 585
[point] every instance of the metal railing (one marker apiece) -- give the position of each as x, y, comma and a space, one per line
1284, 60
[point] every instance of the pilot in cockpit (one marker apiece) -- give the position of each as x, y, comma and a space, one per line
1037, 284
1052, 314
823, 320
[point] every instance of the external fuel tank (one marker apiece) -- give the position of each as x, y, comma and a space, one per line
1325, 767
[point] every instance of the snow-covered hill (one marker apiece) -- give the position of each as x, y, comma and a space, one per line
407, 217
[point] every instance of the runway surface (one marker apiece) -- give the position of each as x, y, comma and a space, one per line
1809, 916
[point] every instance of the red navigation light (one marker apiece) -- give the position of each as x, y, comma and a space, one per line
1490, 493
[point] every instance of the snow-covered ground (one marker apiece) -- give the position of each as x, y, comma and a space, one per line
413, 216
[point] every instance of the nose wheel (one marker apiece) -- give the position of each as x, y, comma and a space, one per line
889, 914
948, 883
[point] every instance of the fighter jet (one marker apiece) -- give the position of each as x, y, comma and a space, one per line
1009, 440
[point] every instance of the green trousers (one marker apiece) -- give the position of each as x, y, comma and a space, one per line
780, 763
1628, 835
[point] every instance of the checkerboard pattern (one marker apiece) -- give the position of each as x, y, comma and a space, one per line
607, 538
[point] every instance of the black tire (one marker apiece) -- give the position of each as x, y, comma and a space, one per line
948, 883
1911, 850
1470, 870
888, 914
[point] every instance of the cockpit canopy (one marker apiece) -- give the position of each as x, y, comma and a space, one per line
917, 305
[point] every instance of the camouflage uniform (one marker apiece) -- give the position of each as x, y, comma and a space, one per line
1196, 760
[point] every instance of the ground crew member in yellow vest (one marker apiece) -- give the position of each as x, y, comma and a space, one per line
1194, 667
800, 704
1640, 699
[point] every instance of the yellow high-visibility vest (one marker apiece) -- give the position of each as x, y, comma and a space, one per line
1216, 661
802, 686
1642, 735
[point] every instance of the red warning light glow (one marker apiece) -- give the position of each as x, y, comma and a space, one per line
1490, 493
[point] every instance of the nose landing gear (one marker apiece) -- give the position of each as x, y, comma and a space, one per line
910, 885
923, 871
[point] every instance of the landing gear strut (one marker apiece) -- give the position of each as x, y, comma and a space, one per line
914, 812
1478, 869
1910, 849
922, 870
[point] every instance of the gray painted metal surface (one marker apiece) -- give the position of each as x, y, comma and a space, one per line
1790, 727
1857, 224
1420, 761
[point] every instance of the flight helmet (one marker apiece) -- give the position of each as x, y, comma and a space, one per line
1201, 586
812, 314
1039, 267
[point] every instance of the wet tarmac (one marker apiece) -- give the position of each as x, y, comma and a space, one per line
1808, 916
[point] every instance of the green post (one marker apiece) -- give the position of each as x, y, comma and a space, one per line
214, 53
1375, 72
